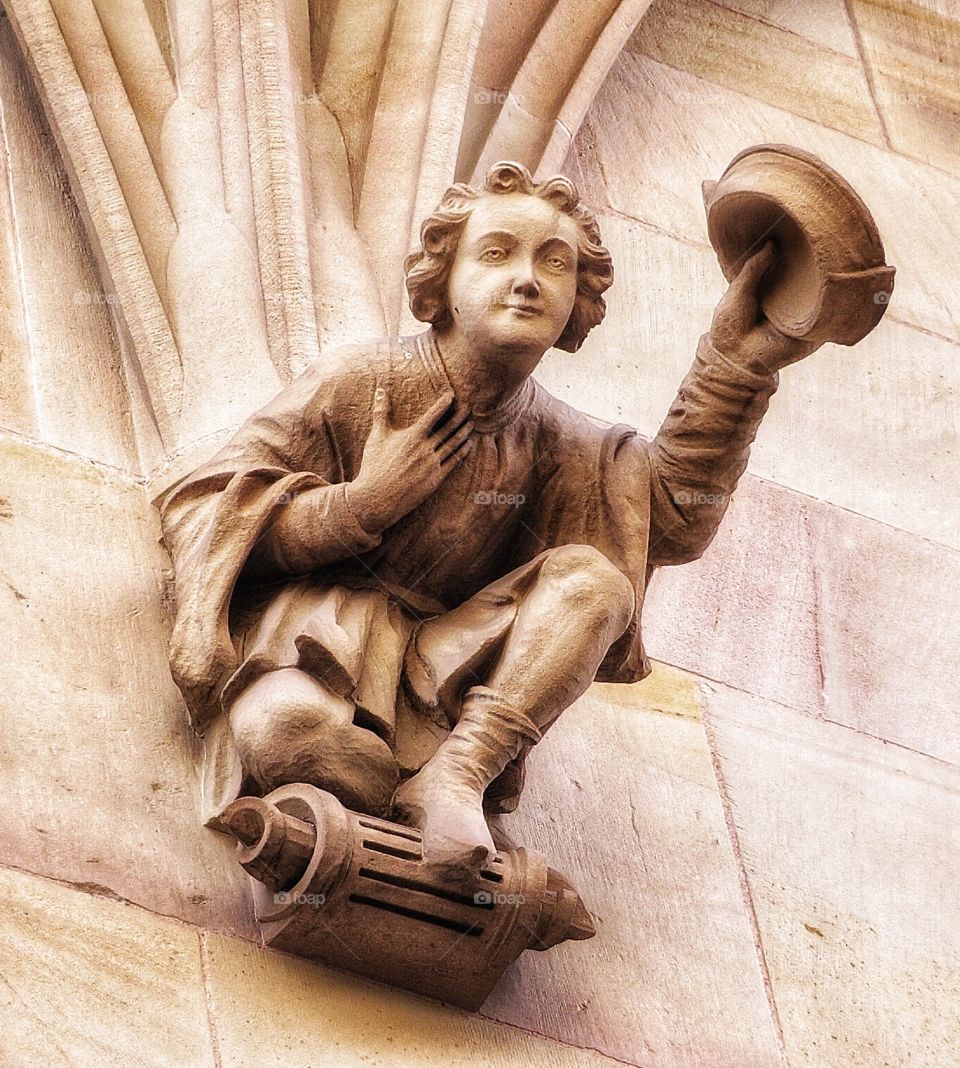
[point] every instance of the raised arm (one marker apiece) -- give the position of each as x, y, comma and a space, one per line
702, 448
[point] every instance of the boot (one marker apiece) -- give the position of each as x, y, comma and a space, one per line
503, 794
445, 798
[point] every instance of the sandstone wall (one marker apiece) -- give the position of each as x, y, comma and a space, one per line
766, 829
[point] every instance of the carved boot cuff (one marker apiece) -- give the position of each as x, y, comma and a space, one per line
501, 712
489, 735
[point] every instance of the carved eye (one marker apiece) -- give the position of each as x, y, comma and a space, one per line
558, 263
494, 255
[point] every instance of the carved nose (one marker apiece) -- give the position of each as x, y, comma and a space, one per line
526, 286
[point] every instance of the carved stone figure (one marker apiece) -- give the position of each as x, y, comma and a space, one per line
400, 572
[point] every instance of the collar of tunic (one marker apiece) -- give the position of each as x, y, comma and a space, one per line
488, 423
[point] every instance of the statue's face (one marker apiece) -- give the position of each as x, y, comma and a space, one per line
514, 279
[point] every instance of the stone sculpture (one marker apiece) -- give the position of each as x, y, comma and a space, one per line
398, 574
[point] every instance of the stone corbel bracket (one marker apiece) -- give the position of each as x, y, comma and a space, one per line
353, 891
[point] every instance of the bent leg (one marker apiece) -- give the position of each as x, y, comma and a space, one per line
576, 607
579, 606
290, 728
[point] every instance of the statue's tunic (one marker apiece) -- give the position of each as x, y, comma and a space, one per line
540, 475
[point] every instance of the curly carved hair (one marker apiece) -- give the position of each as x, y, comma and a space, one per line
428, 269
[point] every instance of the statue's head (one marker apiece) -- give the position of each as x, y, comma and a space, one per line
515, 262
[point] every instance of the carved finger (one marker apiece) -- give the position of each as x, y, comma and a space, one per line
456, 439
740, 305
450, 423
750, 273
381, 406
458, 453
450, 426
791, 349
747, 282
436, 412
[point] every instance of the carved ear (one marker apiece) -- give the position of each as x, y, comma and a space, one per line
427, 309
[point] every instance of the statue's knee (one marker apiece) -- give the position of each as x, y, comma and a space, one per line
290, 728
273, 713
582, 575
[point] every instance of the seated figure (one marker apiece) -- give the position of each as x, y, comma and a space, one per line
399, 573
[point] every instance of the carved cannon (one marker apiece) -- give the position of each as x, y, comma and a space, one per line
350, 890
